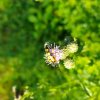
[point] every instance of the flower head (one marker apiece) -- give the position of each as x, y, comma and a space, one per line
68, 63
72, 47
52, 54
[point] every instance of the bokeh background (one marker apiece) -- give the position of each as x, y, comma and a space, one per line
25, 25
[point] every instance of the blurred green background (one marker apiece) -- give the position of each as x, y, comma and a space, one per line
25, 25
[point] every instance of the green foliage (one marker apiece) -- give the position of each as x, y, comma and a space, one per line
25, 25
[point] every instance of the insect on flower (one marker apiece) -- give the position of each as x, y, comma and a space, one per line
52, 54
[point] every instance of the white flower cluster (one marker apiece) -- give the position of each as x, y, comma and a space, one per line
53, 54
69, 63
72, 47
